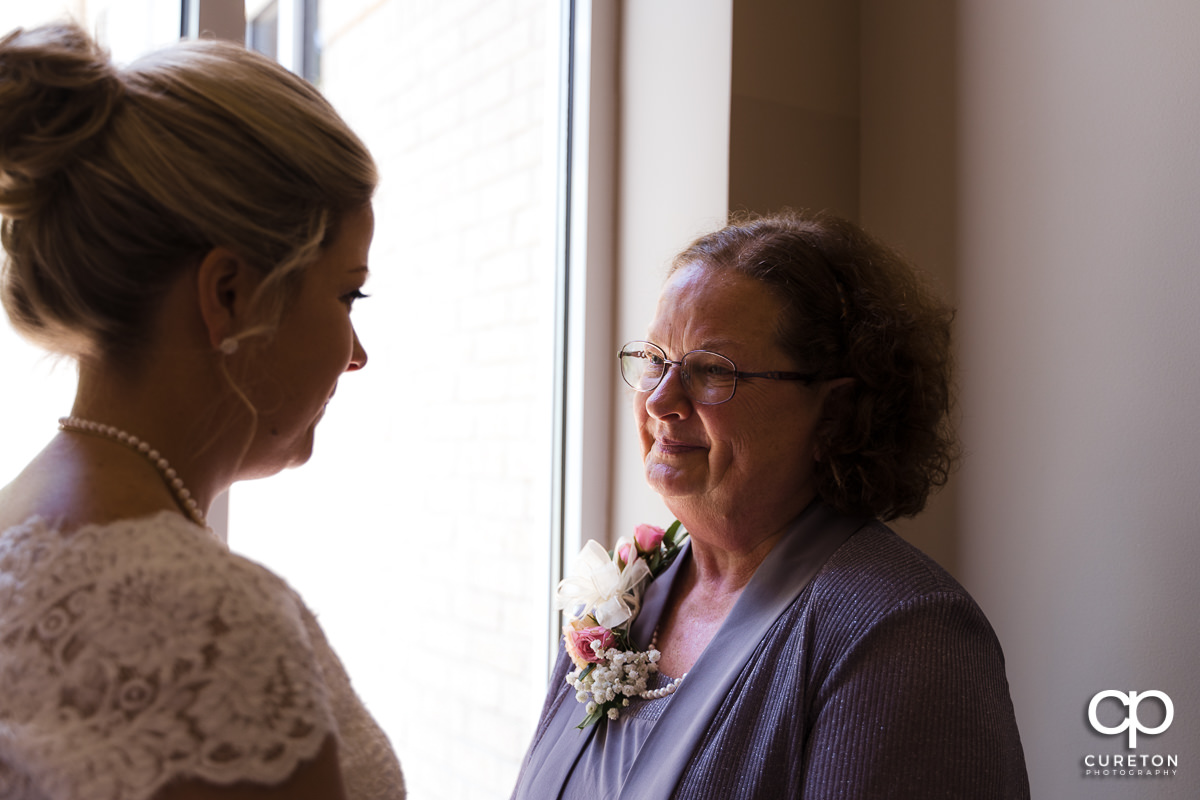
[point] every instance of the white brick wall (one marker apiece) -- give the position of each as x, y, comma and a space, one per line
424, 546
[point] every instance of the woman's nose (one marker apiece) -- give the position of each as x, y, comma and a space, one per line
669, 397
358, 356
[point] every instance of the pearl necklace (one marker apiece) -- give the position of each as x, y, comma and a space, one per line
669, 689
174, 482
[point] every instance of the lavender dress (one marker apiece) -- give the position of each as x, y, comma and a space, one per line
851, 666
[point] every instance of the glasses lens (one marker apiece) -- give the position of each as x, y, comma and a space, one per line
710, 377
642, 365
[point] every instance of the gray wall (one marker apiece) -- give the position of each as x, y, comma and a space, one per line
850, 108
1079, 212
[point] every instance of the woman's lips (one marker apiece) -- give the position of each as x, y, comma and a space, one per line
674, 447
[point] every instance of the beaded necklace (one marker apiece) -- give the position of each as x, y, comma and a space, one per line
655, 694
173, 481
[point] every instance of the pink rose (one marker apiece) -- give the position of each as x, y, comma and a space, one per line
625, 552
648, 538
579, 644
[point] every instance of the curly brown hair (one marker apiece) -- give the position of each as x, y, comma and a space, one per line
853, 307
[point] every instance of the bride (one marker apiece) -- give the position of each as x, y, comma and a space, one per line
193, 231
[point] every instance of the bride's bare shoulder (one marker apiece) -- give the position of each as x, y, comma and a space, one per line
68, 486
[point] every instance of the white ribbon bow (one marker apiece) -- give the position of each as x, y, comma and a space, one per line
601, 588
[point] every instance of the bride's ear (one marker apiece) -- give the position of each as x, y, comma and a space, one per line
224, 285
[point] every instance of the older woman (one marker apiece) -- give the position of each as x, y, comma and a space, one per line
193, 231
793, 390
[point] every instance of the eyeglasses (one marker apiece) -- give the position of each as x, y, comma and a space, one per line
708, 378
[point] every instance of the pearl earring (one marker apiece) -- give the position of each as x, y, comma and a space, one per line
228, 346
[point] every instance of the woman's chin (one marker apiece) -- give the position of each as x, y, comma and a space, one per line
303, 450
281, 458
671, 481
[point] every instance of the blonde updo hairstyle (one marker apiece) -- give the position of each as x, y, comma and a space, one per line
115, 182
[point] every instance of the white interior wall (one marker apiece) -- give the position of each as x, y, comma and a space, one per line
673, 186
1080, 195
592, 183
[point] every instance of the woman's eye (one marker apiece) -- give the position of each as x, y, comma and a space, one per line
350, 297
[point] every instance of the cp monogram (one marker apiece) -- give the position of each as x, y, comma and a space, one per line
1131, 723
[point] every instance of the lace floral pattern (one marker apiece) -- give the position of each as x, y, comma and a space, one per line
140, 651
370, 770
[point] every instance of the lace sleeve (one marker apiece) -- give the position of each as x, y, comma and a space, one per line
141, 651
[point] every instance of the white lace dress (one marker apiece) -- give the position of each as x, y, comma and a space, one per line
140, 651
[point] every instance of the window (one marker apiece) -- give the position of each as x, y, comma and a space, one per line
262, 30
420, 530
286, 30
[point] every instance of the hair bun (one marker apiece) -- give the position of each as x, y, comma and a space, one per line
57, 90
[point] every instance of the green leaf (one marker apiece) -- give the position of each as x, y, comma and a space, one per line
592, 718
669, 537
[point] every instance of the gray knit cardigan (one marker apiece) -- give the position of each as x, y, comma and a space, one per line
853, 666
